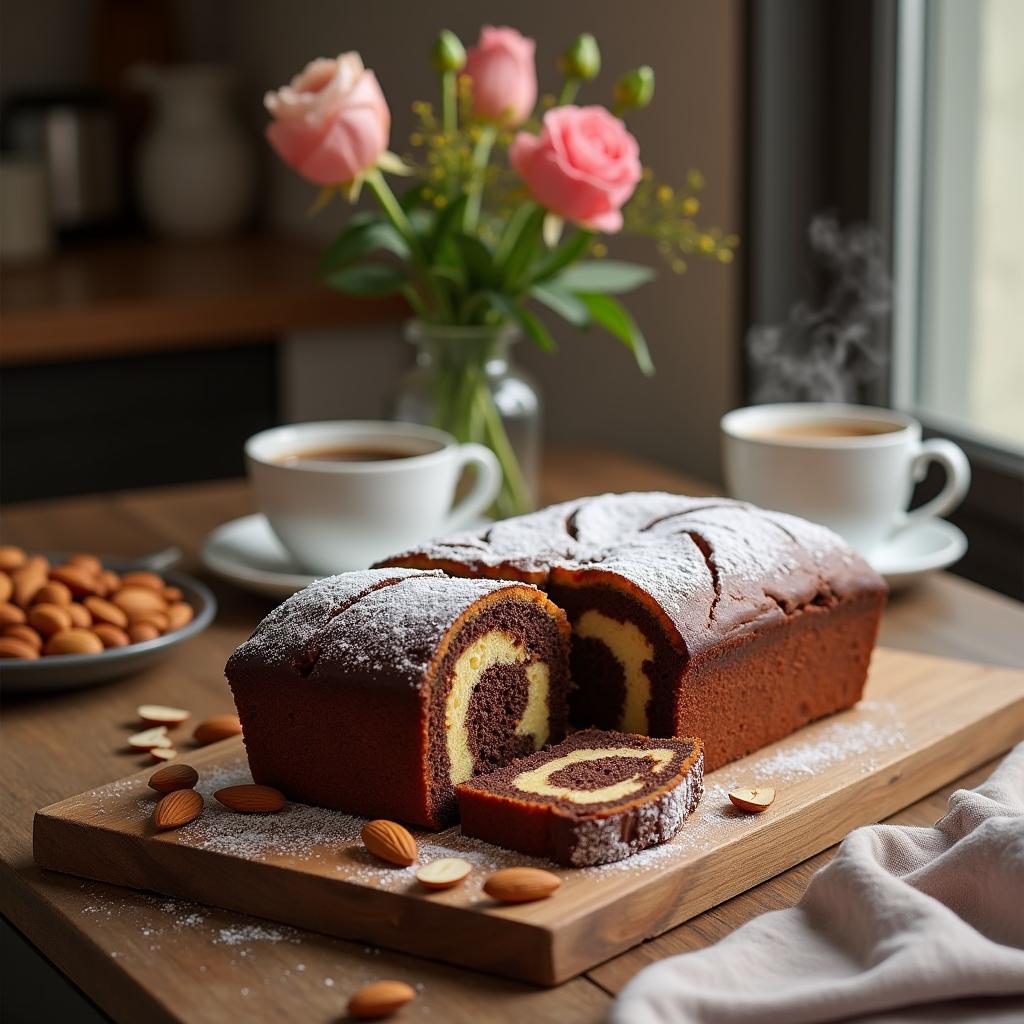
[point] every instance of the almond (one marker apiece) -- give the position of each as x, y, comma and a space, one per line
140, 632
48, 619
251, 798
80, 616
26, 634
179, 614
74, 641
381, 999
137, 602
521, 885
53, 592
11, 558
158, 620
177, 809
6, 587
150, 738
29, 580
103, 610
111, 636
753, 801
12, 647
10, 614
110, 582
390, 842
88, 563
143, 579
220, 727
161, 714
80, 582
160, 754
443, 873
173, 776
172, 595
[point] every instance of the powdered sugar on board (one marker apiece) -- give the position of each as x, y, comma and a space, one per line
330, 840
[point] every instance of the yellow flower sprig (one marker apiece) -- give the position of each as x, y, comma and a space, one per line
667, 216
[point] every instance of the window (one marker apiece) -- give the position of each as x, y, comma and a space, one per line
959, 326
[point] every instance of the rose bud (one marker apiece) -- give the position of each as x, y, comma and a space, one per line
331, 122
504, 77
635, 89
583, 166
583, 59
448, 54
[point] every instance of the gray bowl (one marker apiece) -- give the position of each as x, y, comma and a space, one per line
72, 671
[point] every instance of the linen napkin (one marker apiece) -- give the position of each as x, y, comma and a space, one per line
922, 924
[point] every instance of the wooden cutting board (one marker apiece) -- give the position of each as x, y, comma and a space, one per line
923, 722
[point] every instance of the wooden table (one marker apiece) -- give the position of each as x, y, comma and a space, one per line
144, 958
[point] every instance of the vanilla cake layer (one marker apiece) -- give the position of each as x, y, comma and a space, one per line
595, 798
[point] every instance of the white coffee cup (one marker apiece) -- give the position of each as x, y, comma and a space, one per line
849, 467
338, 515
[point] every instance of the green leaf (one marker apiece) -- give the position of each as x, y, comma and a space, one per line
524, 249
530, 323
613, 317
360, 239
476, 258
447, 219
512, 231
568, 252
565, 304
367, 279
411, 197
612, 277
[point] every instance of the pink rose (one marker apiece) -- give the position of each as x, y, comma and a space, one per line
331, 123
583, 166
504, 76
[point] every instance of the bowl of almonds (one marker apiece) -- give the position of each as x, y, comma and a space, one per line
69, 620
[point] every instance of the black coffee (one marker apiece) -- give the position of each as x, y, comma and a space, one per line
347, 453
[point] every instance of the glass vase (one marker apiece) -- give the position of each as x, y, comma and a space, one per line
464, 383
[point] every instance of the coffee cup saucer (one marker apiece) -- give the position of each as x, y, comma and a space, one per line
246, 552
918, 549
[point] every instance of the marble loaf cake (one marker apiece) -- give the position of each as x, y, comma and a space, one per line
690, 616
595, 798
378, 692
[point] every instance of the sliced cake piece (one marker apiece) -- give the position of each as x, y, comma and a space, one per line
597, 797
377, 692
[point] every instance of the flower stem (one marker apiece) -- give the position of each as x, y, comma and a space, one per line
570, 87
517, 499
394, 212
481, 156
448, 106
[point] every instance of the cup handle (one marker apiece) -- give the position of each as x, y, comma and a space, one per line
485, 487
958, 478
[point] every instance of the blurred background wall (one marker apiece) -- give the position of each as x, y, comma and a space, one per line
592, 390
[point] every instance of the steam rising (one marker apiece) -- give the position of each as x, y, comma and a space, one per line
827, 354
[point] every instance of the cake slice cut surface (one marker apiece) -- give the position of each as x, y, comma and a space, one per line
595, 798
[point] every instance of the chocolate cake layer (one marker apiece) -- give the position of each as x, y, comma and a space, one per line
372, 692
595, 798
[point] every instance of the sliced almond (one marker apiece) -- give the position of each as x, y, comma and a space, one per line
251, 798
390, 841
754, 801
177, 809
220, 727
160, 714
521, 885
150, 738
381, 999
443, 873
173, 777
159, 755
